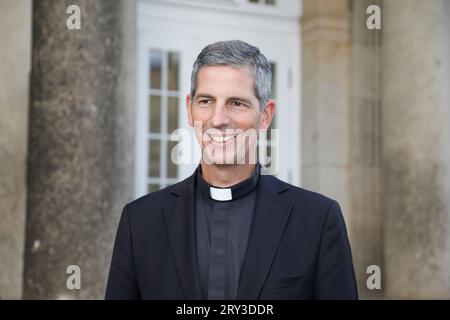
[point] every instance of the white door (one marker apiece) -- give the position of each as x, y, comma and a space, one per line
171, 33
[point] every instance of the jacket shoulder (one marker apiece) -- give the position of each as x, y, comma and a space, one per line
298, 194
311, 207
312, 210
155, 200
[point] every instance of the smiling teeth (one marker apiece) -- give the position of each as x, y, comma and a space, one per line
221, 139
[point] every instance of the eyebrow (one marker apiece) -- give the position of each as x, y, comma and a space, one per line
202, 95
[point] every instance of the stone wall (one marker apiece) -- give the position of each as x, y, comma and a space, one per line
80, 163
15, 64
416, 147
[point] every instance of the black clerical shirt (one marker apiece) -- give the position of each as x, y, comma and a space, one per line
222, 231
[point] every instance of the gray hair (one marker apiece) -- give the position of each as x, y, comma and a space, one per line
238, 54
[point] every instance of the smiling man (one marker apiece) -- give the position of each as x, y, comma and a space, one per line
229, 231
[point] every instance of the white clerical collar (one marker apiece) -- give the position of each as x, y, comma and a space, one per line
234, 192
220, 194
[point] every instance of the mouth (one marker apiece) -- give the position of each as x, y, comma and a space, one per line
222, 139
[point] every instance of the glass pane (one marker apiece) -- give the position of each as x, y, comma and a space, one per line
269, 136
268, 163
171, 166
174, 63
155, 69
273, 96
254, 1
173, 114
271, 2
154, 158
153, 187
264, 160
269, 151
155, 114
274, 79
269, 131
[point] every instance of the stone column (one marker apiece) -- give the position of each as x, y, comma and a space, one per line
416, 140
15, 57
80, 168
365, 185
326, 100
326, 55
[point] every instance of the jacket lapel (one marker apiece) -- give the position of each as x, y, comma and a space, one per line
270, 217
179, 215
269, 221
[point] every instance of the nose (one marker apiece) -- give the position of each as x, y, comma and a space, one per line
220, 117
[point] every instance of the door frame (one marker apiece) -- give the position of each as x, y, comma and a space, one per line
189, 25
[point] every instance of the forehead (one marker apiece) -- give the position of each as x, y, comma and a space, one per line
223, 80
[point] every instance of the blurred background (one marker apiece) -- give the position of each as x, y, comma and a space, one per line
86, 116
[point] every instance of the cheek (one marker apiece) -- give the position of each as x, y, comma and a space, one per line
200, 115
248, 121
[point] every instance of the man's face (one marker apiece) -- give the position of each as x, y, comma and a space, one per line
226, 115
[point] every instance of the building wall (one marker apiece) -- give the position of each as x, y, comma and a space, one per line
80, 159
349, 151
376, 136
15, 57
416, 148
365, 151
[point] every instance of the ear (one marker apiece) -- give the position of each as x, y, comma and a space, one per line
267, 116
189, 109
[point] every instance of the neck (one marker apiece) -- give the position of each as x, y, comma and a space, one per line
226, 175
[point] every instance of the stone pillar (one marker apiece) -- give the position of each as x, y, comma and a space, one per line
326, 99
15, 64
365, 186
416, 140
326, 88
80, 168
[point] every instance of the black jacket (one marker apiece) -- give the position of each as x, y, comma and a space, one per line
298, 247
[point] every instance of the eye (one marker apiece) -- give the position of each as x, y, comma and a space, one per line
204, 101
238, 104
